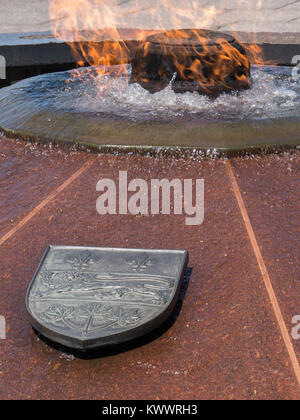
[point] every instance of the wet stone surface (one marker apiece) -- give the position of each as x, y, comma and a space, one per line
224, 341
29, 174
274, 181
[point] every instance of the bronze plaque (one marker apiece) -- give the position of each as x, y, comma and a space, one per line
87, 297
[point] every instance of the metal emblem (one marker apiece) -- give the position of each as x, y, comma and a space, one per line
86, 298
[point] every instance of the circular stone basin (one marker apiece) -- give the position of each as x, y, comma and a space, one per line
106, 111
204, 61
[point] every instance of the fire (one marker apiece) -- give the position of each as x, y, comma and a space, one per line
72, 20
106, 21
202, 61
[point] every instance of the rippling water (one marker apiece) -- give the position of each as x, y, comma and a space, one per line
273, 94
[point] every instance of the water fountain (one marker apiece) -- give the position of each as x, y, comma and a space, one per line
187, 89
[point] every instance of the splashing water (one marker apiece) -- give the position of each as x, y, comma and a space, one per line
274, 94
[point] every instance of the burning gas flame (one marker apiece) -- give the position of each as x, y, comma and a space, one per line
202, 60
97, 30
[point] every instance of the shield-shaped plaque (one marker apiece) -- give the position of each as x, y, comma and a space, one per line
91, 297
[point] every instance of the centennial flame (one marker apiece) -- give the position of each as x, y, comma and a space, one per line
194, 60
87, 24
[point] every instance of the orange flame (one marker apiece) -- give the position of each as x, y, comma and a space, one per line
97, 30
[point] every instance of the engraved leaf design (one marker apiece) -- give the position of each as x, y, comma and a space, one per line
59, 313
89, 312
91, 317
95, 309
82, 261
141, 262
122, 317
127, 317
